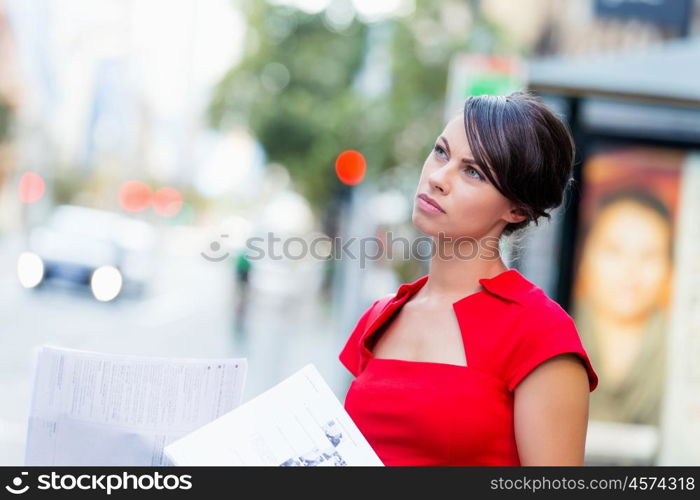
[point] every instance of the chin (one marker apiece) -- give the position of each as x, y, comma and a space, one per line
423, 225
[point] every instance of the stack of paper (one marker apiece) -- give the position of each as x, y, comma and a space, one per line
100, 409
299, 422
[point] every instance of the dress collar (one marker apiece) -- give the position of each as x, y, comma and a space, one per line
508, 285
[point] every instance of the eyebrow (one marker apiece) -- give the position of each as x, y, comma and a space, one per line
464, 160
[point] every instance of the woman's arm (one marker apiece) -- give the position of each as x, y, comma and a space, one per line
551, 413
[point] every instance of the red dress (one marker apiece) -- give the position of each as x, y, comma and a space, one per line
427, 413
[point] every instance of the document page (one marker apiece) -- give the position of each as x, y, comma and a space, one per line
91, 408
299, 422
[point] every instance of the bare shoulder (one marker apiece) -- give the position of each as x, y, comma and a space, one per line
563, 372
551, 413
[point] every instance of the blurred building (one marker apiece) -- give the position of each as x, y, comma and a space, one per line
578, 27
10, 99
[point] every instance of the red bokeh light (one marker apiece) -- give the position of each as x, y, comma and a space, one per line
31, 187
350, 166
167, 201
134, 196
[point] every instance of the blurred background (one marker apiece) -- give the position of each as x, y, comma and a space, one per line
142, 144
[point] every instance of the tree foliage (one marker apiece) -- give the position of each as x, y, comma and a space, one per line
5, 115
298, 88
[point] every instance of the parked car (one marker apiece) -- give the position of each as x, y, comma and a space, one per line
109, 253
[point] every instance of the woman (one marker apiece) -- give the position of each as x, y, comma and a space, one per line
473, 364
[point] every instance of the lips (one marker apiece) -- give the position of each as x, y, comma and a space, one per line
431, 201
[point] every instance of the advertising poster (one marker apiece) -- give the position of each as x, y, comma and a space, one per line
623, 279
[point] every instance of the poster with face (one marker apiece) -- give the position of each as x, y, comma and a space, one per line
624, 269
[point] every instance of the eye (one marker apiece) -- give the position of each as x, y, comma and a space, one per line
440, 151
470, 169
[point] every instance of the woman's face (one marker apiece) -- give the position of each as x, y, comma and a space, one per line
626, 261
472, 206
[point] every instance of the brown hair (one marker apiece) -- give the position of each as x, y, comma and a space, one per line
524, 148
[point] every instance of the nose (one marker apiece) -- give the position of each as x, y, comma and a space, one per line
438, 179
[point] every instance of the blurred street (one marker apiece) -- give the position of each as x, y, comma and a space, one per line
188, 313
241, 181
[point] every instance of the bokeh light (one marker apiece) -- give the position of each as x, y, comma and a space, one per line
350, 166
134, 196
167, 201
31, 187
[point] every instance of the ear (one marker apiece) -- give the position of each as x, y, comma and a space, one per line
515, 214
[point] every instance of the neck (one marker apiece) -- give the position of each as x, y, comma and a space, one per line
455, 274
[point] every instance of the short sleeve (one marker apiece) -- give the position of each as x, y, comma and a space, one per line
351, 355
541, 338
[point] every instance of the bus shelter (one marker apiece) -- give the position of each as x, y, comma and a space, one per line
622, 254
